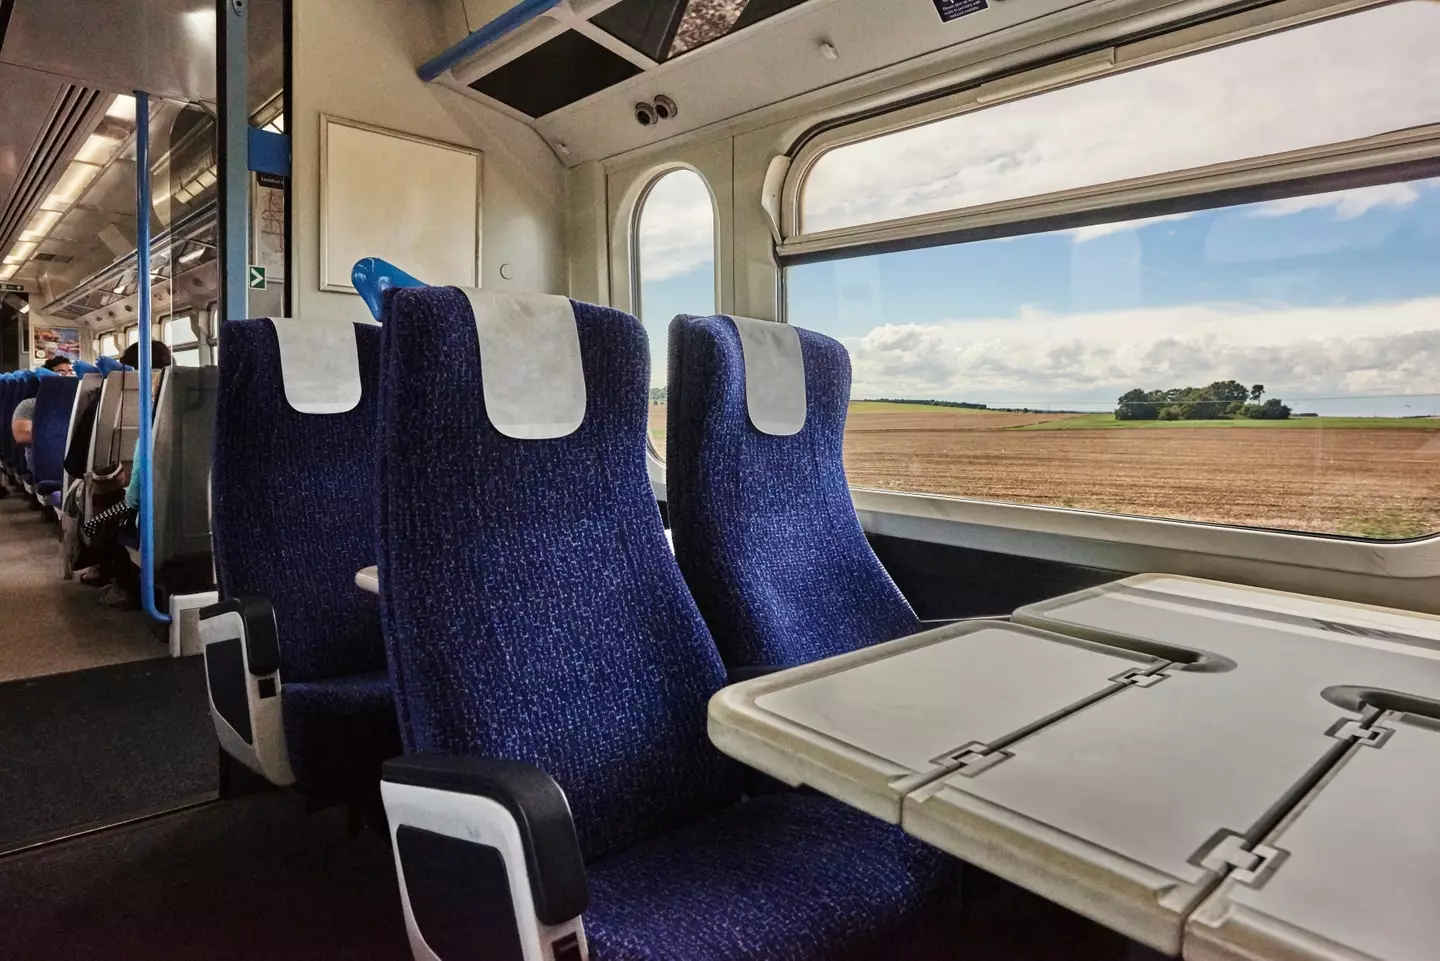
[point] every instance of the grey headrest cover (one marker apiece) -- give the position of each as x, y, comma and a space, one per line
774, 375
319, 364
529, 363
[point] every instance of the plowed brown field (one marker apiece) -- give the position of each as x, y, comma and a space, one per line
1372, 482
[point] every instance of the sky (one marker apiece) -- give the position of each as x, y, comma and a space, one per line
1332, 301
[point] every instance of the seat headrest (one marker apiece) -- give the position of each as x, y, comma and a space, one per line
42, 372
82, 367
319, 364
107, 365
774, 376
530, 367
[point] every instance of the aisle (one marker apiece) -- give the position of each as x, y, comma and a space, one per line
49, 626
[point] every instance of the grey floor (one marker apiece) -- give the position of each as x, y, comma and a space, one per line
50, 626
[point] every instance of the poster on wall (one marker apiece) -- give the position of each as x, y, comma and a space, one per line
47, 342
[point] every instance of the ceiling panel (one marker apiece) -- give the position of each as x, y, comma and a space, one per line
166, 47
24, 105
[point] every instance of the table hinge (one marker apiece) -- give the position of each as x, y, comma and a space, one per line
1141, 676
1365, 732
1247, 863
975, 758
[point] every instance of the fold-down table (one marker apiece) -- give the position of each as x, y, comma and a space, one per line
1134, 750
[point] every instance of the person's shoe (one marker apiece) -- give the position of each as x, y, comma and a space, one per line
95, 577
120, 599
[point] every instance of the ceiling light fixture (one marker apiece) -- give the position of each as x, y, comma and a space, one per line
192, 256
25, 308
122, 108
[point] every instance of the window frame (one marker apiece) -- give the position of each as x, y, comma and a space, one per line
1379, 157
1288, 560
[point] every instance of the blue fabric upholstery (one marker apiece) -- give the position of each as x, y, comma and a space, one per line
540, 616
535, 618
8, 399
108, 364
811, 879
292, 495
325, 721
29, 386
764, 527
54, 403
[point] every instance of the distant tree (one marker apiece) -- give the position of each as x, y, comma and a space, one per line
1136, 405
1173, 413
1257, 392
1272, 409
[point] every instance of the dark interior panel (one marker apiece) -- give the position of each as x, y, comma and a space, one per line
560, 71
943, 581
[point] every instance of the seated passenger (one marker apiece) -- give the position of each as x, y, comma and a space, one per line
22, 422
115, 568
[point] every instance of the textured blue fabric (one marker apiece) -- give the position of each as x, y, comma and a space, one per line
764, 526
338, 730
82, 367
29, 385
533, 611
9, 397
109, 364
291, 522
54, 403
531, 605
784, 877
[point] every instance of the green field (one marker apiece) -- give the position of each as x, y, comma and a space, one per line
1108, 422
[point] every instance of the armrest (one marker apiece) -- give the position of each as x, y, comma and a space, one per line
242, 678
540, 813
257, 631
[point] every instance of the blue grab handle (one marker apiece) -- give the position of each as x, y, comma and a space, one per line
372, 276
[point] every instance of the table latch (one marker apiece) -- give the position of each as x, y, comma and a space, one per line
1363, 732
1246, 862
975, 758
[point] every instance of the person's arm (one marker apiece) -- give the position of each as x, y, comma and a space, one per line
132, 489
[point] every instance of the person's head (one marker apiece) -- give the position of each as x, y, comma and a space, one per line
159, 355
60, 364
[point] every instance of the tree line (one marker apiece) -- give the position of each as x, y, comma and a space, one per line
1222, 400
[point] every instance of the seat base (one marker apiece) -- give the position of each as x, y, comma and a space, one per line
784, 877
338, 732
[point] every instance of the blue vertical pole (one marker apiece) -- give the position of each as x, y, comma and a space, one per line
144, 456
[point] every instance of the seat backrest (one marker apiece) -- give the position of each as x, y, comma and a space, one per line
54, 403
9, 385
87, 395
293, 493
184, 428
764, 526
532, 609
117, 425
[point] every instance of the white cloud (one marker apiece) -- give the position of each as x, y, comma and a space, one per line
1062, 360
1095, 231
677, 227
1338, 80
1347, 204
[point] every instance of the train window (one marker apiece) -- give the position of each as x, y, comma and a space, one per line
177, 331
132, 335
1270, 364
107, 346
1337, 80
675, 270
187, 357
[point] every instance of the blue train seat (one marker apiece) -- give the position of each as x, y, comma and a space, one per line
9, 382
293, 480
552, 674
54, 405
29, 386
764, 527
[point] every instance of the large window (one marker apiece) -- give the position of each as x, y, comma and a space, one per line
675, 265
1337, 80
107, 346
1272, 364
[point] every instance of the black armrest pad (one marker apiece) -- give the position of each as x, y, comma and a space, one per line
262, 642
547, 831
737, 674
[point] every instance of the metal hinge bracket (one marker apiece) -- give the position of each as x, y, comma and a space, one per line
1247, 863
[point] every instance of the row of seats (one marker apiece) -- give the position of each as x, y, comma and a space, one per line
106, 396
539, 654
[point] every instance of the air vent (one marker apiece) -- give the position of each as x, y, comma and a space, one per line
51, 258
68, 121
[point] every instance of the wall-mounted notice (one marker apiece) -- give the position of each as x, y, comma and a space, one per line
955, 9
